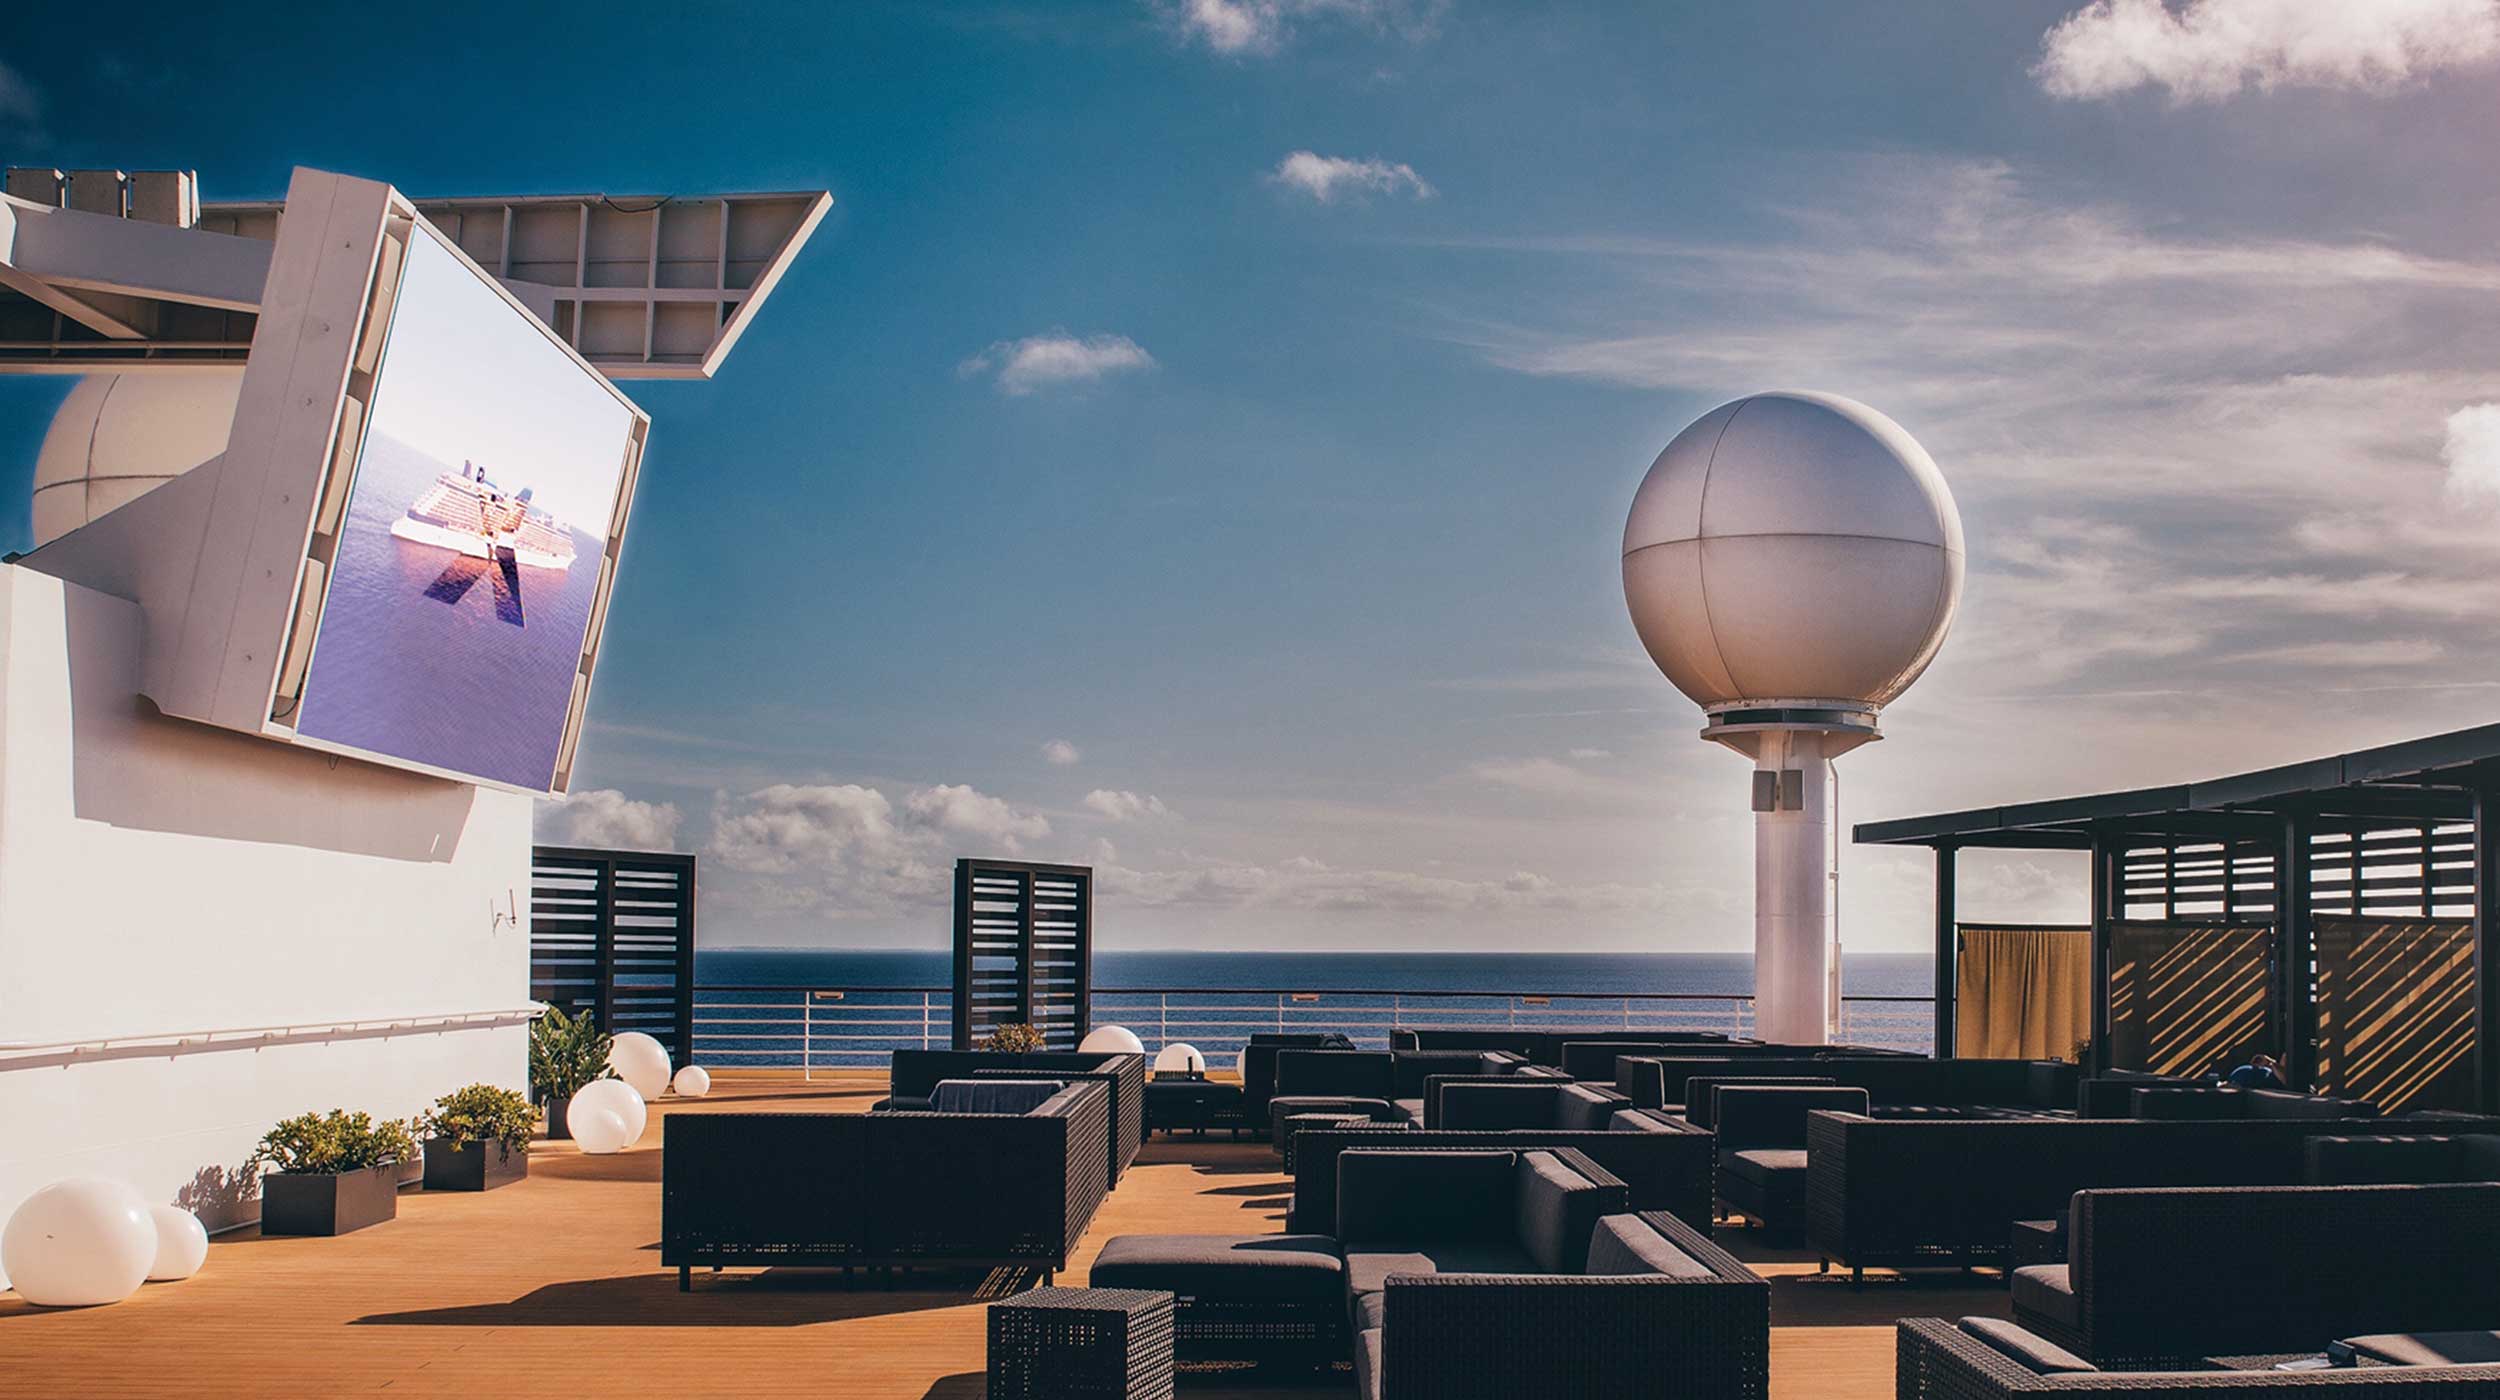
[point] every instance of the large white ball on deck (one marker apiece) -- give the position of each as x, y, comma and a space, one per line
613, 1096
181, 1244
1793, 548
692, 1082
597, 1131
1112, 1040
1179, 1057
640, 1061
78, 1243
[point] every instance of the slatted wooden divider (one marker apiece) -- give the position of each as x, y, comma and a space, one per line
1024, 949
613, 931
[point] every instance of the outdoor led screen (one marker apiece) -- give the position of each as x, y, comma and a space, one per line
475, 552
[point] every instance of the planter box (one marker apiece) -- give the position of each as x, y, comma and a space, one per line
557, 1129
472, 1166
310, 1203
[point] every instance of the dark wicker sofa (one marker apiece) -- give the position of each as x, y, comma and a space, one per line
1488, 1105
883, 1189
2382, 1158
1761, 1137
2218, 1101
1925, 1192
1258, 1067
1990, 1359
2156, 1275
1506, 1274
1332, 1081
916, 1072
1663, 1162
1540, 1045
1893, 1083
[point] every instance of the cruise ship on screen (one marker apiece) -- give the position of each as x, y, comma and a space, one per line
469, 513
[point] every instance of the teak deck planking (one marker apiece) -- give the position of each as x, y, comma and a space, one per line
554, 1284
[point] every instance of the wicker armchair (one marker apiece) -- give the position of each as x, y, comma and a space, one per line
1665, 1163
1938, 1360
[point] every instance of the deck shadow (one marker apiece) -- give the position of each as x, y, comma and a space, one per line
629, 1166
774, 1298
966, 1385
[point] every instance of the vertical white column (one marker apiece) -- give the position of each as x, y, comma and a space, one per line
1793, 906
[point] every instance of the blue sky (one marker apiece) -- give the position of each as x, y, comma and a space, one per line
1197, 442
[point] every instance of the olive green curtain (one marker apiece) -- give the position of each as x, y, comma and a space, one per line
2022, 993
2190, 998
2396, 1011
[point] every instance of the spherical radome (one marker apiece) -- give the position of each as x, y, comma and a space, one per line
119, 436
1793, 547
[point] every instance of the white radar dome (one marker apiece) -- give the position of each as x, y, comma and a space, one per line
1793, 550
119, 436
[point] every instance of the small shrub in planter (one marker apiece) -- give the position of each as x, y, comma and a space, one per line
476, 1139
1014, 1038
566, 1052
330, 1173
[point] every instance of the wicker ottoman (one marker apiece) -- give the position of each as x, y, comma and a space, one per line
1239, 1298
1081, 1344
1174, 1104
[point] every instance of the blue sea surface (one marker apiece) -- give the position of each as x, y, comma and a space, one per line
832, 1008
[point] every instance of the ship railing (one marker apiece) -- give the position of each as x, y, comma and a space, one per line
809, 1028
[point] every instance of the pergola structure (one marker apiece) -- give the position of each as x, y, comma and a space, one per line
2358, 895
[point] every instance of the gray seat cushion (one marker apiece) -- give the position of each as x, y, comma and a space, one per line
2046, 1289
1760, 1165
2040, 1354
1367, 1363
1284, 1106
2429, 1348
992, 1095
1298, 1267
1367, 1269
1412, 1110
1624, 1244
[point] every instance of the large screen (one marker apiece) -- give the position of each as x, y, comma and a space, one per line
470, 559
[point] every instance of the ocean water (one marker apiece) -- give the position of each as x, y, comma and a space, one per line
429, 655
828, 1008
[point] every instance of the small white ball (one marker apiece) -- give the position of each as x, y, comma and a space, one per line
640, 1061
1180, 1058
617, 1097
79, 1242
597, 1131
692, 1082
1112, 1040
181, 1244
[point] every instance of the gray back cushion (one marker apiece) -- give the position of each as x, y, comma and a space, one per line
1624, 1244
1584, 1108
1499, 1106
991, 1095
1554, 1209
1390, 1197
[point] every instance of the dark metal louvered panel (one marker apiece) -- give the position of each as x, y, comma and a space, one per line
613, 932
1023, 949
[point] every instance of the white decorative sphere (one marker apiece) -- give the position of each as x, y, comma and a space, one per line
119, 436
598, 1131
692, 1082
1793, 550
640, 1061
617, 1097
181, 1243
1112, 1040
1179, 1058
79, 1242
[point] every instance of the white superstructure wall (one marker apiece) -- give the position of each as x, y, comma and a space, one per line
326, 933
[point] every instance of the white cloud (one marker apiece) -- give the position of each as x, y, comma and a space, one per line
608, 819
2472, 452
843, 849
1041, 361
1308, 884
1243, 27
1123, 806
959, 811
2207, 50
21, 105
1060, 752
1327, 178
1587, 754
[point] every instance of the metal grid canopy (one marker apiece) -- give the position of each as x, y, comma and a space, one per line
2402, 832
1024, 949
613, 932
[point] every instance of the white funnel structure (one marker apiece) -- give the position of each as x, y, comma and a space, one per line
1792, 562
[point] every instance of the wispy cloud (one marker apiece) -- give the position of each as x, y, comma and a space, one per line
2472, 452
605, 817
1061, 753
1238, 28
1302, 882
21, 104
1124, 806
847, 849
2211, 49
1056, 358
1328, 179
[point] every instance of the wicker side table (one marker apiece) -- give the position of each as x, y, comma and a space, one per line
1081, 1344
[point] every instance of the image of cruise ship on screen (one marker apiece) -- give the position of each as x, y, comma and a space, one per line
468, 512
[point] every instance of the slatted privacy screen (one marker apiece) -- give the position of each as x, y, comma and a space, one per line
2187, 998
613, 931
2421, 872
2396, 1011
2198, 880
1024, 947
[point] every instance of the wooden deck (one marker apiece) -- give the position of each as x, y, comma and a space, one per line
554, 1285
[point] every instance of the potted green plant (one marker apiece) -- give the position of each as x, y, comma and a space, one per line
477, 1139
1013, 1038
329, 1173
566, 1052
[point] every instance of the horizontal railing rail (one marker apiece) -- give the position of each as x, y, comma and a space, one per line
808, 1028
